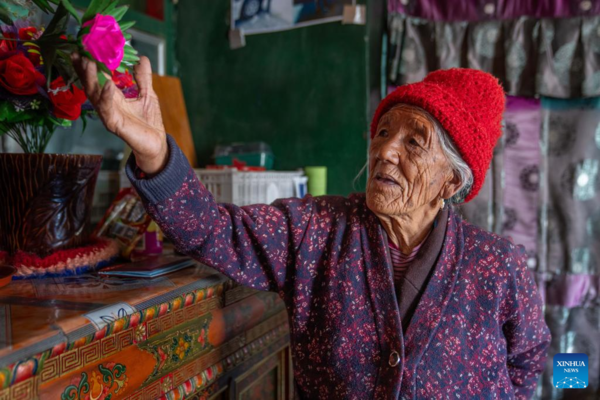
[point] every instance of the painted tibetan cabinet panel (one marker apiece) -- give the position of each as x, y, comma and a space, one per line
193, 334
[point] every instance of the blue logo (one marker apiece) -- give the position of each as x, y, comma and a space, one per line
570, 371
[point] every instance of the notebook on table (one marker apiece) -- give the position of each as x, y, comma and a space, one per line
149, 268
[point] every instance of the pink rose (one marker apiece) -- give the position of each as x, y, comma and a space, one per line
105, 41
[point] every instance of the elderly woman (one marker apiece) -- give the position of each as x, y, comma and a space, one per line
390, 294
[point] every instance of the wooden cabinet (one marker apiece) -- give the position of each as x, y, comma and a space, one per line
192, 334
267, 379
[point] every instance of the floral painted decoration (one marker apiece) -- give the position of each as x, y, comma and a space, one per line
39, 88
109, 381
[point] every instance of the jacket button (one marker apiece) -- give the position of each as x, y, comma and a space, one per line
394, 358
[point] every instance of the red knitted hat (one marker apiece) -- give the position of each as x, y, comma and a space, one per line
469, 105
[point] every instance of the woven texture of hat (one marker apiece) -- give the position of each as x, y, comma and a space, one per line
469, 105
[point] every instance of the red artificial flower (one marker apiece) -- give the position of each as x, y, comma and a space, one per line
67, 102
33, 50
28, 33
125, 83
19, 76
7, 46
122, 79
33, 53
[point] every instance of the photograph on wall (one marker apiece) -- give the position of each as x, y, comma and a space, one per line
262, 16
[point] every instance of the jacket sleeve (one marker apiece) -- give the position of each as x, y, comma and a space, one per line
526, 332
252, 245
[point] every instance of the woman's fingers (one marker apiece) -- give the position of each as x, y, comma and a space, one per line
109, 107
106, 98
143, 76
137, 122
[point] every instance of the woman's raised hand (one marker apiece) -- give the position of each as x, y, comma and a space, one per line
137, 121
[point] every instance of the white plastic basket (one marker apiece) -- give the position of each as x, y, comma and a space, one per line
243, 188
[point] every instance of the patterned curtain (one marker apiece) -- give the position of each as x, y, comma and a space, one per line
550, 57
481, 10
570, 240
543, 191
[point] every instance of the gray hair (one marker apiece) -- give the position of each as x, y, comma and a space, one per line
458, 165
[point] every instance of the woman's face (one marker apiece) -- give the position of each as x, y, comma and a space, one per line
407, 167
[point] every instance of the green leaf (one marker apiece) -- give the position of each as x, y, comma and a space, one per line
67, 4
91, 10
130, 59
83, 30
118, 12
83, 120
58, 24
48, 55
85, 53
126, 25
50, 39
43, 5
96, 7
103, 68
127, 49
108, 10
9, 114
59, 121
101, 78
5, 107
64, 66
129, 53
66, 46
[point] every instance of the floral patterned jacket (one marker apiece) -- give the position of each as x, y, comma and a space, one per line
478, 331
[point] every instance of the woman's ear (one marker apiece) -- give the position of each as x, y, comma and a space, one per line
451, 186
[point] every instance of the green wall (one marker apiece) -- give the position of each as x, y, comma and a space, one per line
302, 91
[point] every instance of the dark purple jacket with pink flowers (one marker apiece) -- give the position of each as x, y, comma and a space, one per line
477, 332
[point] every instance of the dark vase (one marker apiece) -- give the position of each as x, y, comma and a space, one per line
46, 201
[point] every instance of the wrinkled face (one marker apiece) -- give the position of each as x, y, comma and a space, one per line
407, 167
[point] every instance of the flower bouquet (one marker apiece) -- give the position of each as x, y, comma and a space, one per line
39, 88
47, 197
